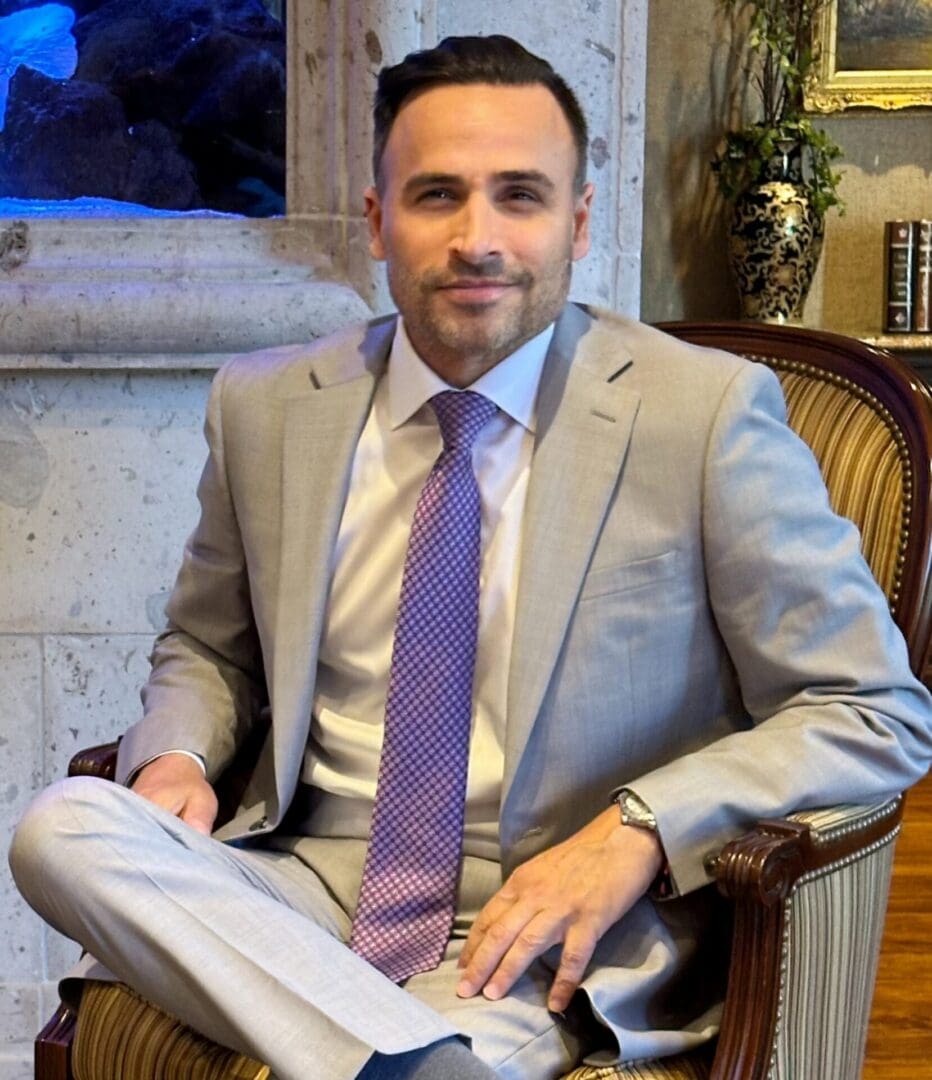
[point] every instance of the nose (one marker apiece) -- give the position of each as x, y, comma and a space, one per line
475, 237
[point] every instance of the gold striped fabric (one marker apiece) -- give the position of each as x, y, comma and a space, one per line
862, 457
122, 1037
682, 1067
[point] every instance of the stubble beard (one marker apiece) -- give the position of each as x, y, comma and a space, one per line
483, 336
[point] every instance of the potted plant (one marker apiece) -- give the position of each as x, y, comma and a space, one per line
778, 171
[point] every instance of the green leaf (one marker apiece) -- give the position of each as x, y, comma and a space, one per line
778, 60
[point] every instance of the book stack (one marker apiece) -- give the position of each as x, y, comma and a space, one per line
909, 277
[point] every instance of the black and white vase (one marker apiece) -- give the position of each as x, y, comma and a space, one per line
775, 241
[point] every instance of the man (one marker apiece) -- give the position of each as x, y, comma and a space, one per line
665, 604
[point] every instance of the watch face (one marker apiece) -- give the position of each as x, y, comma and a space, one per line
635, 812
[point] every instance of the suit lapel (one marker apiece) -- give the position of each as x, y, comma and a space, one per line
321, 430
584, 424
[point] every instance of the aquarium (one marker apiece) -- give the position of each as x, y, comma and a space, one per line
142, 107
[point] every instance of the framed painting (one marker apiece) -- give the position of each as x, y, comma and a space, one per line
875, 53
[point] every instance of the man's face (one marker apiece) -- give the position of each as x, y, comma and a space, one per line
478, 221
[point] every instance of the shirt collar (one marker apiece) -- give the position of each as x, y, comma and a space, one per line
512, 384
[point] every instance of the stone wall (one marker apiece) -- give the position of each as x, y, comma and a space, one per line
97, 491
111, 331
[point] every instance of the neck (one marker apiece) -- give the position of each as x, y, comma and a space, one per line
460, 371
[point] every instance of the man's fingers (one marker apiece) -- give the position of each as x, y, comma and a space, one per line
492, 934
199, 824
578, 948
543, 931
493, 911
507, 949
512, 943
200, 819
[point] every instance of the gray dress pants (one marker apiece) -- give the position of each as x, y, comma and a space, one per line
248, 945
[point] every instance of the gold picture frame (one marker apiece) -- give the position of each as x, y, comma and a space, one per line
846, 43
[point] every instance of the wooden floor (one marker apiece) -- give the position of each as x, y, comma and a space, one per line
899, 1043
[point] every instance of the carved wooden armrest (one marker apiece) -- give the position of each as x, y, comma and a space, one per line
95, 761
53, 1046
763, 872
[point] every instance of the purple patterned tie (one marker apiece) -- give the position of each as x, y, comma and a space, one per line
408, 892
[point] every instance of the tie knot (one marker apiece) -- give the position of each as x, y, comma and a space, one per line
461, 414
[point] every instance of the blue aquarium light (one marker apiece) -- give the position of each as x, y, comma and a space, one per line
39, 38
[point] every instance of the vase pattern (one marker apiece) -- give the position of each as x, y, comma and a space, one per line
775, 243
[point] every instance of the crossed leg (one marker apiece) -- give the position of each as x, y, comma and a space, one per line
247, 946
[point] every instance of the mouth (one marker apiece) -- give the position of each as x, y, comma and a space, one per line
476, 290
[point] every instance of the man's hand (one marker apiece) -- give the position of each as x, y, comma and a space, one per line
571, 893
176, 783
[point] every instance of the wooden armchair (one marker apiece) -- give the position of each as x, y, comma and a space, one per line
809, 891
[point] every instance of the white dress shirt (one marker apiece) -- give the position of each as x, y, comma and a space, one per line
397, 449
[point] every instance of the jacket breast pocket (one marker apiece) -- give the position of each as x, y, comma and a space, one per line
633, 575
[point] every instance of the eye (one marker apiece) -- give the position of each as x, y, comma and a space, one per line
435, 195
522, 196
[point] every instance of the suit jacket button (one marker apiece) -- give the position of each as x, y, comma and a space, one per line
260, 824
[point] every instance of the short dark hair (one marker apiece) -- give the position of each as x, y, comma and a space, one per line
461, 61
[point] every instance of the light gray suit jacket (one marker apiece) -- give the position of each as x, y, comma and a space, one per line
692, 618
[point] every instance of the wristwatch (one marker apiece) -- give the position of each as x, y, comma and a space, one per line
634, 811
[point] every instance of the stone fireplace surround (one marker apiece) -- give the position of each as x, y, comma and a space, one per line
110, 330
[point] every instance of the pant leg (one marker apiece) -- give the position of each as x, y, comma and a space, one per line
245, 946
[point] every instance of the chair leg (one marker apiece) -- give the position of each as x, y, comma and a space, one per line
53, 1046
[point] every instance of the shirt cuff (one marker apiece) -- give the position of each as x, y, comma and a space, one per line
130, 780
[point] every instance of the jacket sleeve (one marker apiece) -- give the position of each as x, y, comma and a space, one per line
835, 715
207, 684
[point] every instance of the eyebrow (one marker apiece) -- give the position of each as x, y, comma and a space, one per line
527, 176
430, 179
511, 176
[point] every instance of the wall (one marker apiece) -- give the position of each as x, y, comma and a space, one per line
97, 491
888, 174
692, 85
111, 332
689, 78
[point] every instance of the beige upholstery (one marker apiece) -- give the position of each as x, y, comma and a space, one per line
834, 921
855, 441
121, 1037
691, 1067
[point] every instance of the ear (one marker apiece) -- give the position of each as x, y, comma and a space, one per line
373, 212
581, 214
